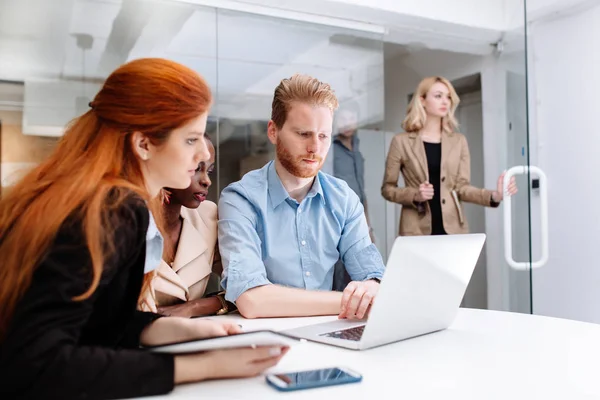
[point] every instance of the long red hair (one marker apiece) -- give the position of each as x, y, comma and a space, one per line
94, 157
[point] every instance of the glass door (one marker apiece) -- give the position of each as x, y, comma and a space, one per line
525, 215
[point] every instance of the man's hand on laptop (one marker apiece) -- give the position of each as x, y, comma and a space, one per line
357, 299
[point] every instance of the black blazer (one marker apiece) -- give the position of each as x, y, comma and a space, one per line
57, 348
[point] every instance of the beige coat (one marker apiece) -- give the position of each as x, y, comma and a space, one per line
407, 156
187, 278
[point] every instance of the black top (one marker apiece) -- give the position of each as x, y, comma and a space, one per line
57, 348
434, 165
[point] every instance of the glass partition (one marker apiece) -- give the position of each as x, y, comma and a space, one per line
52, 78
517, 227
256, 52
54, 60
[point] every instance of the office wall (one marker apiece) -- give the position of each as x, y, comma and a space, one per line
20, 152
564, 73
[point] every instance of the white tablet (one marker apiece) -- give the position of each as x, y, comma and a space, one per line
246, 339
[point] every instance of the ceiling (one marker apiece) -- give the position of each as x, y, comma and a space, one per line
236, 52
62, 50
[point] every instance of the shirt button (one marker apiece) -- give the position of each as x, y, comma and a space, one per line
299, 210
307, 273
443, 201
303, 243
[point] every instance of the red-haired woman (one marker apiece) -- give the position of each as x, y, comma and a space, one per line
77, 235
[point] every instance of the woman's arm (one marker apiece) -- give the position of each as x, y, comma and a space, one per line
193, 308
390, 190
56, 347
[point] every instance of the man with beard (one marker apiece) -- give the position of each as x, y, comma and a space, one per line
283, 227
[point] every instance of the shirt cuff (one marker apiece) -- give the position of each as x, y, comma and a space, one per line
135, 326
493, 203
233, 292
365, 264
376, 275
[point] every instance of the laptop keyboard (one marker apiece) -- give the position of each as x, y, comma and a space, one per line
354, 334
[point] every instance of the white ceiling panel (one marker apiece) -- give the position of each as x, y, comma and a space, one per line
76, 58
94, 17
197, 36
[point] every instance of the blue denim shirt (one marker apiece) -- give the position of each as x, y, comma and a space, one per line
266, 237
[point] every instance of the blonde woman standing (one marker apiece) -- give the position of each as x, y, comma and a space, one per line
436, 166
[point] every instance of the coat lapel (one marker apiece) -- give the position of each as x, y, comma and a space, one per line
418, 155
189, 263
167, 282
191, 245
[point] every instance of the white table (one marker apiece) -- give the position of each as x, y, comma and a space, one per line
483, 355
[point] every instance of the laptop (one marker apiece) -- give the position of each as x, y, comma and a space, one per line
420, 293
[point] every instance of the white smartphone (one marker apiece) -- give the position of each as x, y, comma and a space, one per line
313, 379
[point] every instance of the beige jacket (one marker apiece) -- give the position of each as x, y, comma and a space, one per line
407, 157
187, 278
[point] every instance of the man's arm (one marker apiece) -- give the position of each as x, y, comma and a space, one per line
244, 274
362, 261
272, 301
360, 256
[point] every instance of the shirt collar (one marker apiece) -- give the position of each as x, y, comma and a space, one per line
152, 231
316, 188
277, 192
154, 245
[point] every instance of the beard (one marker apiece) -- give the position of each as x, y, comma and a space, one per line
295, 165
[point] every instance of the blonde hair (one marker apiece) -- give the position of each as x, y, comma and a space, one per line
304, 89
416, 114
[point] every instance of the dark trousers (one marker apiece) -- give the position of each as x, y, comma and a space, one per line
341, 279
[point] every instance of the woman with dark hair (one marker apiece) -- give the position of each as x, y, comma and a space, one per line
191, 256
77, 236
